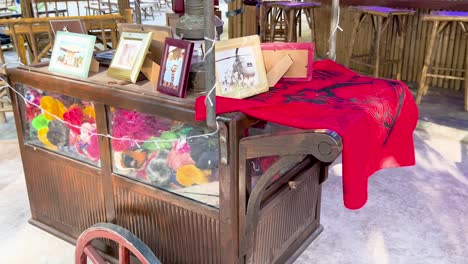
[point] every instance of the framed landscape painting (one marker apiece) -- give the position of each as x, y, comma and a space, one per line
240, 71
72, 54
129, 56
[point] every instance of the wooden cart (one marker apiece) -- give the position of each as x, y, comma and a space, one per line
257, 200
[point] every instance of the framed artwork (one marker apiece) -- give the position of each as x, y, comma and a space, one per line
160, 33
175, 66
240, 71
69, 25
302, 55
129, 55
72, 54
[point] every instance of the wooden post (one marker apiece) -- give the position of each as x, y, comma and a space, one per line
354, 31
466, 81
427, 62
333, 29
210, 79
123, 6
26, 8
378, 34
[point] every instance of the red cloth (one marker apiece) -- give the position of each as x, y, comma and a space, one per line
375, 118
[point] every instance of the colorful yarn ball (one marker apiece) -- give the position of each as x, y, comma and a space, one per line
86, 131
74, 116
135, 126
189, 175
58, 133
158, 172
52, 107
89, 115
40, 122
176, 159
163, 142
93, 148
42, 136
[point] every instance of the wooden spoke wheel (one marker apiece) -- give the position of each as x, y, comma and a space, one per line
126, 241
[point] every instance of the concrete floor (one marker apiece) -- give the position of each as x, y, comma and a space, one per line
414, 215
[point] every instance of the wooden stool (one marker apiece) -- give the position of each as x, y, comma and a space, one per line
381, 18
288, 14
440, 21
5, 104
271, 18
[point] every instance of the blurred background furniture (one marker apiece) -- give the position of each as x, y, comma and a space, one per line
382, 19
37, 34
5, 102
280, 20
440, 20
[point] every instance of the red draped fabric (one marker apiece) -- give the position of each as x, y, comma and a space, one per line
375, 118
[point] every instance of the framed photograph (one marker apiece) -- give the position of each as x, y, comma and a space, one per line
72, 54
302, 55
69, 25
240, 71
129, 55
160, 33
175, 66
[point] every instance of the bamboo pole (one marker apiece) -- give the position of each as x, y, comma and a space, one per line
210, 80
333, 29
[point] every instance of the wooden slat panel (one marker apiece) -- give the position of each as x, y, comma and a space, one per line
286, 217
175, 234
83, 204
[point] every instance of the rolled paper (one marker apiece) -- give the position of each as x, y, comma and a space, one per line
40, 122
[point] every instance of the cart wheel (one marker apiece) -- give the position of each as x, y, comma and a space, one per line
128, 243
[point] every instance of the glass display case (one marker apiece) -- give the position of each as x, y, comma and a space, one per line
178, 157
60, 123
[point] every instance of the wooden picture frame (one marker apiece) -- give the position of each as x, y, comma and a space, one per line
129, 55
72, 54
240, 71
175, 66
302, 55
69, 25
160, 33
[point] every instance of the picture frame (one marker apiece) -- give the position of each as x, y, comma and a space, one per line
129, 55
160, 33
301, 53
69, 25
240, 71
72, 54
175, 67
